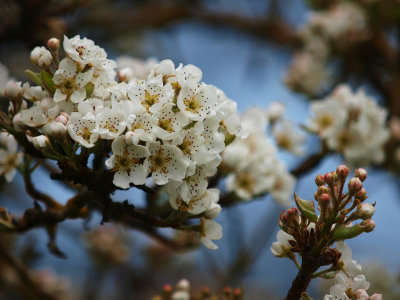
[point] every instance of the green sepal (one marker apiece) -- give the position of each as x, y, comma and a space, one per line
306, 208
229, 138
89, 89
35, 77
343, 232
47, 81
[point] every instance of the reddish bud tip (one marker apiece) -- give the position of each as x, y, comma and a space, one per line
361, 173
319, 180
342, 171
328, 178
324, 199
355, 185
167, 288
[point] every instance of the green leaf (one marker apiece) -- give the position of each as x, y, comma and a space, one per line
343, 232
35, 77
47, 81
306, 208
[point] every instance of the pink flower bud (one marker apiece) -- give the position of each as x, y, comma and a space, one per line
19, 126
53, 44
324, 199
362, 294
361, 173
319, 180
376, 297
369, 225
355, 185
183, 285
167, 288
62, 118
328, 178
54, 129
323, 190
342, 171
365, 211
13, 89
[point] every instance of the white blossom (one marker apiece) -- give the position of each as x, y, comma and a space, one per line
282, 248
210, 230
10, 157
41, 57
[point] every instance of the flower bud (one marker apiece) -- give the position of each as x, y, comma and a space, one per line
13, 89
131, 138
343, 232
125, 75
362, 294
323, 189
213, 211
328, 178
324, 199
361, 173
63, 118
183, 285
53, 44
342, 171
361, 195
41, 142
54, 129
19, 126
365, 211
376, 297
275, 111
319, 180
42, 57
369, 225
355, 185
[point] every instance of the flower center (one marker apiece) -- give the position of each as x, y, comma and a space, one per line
150, 100
159, 161
192, 104
166, 124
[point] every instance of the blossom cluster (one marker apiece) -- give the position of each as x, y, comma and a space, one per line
252, 164
163, 122
345, 120
326, 32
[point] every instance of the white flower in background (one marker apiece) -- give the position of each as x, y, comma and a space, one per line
188, 75
42, 112
307, 74
275, 111
4, 78
133, 68
82, 129
198, 204
282, 248
42, 57
288, 138
127, 162
182, 290
10, 157
70, 84
210, 230
33, 93
352, 124
252, 164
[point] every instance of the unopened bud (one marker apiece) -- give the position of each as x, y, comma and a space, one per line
361, 195
13, 89
362, 294
355, 185
54, 129
342, 171
42, 57
328, 178
361, 173
19, 126
131, 138
324, 199
183, 285
376, 297
62, 118
369, 225
323, 189
319, 180
125, 74
53, 44
365, 211
167, 289
41, 142
227, 291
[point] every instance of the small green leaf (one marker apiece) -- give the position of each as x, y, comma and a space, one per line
343, 232
307, 129
175, 108
47, 81
306, 208
35, 77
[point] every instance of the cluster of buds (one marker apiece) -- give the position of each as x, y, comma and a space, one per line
182, 292
337, 211
341, 216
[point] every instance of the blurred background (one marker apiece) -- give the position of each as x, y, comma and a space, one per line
244, 47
